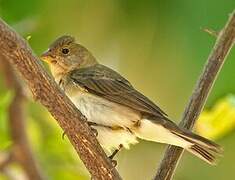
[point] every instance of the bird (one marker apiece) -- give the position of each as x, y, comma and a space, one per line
119, 114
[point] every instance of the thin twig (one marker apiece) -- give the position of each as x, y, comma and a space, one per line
21, 148
46, 91
202, 89
211, 32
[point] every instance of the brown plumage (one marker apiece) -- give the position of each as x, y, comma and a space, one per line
113, 106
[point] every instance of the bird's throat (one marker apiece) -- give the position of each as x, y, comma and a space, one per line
57, 72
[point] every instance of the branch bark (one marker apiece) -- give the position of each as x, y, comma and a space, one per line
224, 43
46, 91
21, 150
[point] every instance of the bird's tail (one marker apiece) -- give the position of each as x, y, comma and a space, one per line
167, 132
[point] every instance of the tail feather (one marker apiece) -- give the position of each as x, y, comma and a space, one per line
169, 133
202, 147
202, 154
196, 139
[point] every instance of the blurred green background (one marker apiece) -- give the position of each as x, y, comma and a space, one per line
158, 45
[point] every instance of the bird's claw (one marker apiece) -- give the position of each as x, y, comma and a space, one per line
91, 124
95, 132
114, 162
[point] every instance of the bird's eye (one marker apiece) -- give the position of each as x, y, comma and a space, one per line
65, 50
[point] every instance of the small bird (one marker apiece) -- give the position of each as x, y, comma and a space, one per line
119, 113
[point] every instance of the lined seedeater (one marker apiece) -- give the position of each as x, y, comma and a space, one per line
113, 107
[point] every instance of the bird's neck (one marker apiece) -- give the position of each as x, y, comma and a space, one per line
57, 72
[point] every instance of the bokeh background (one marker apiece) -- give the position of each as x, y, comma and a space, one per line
159, 45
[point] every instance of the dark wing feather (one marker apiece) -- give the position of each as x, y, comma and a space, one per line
102, 81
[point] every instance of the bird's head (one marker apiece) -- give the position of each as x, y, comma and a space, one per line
65, 55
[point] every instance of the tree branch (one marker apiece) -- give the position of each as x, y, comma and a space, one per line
46, 91
21, 148
202, 89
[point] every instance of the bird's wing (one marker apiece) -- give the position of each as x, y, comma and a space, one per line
104, 82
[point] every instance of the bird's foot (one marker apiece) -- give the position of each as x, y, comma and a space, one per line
95, 132
114, 162
92, 124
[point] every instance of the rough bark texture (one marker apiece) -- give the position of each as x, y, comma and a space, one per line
45, 90
224, 43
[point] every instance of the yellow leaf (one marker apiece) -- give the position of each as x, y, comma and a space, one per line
218, 121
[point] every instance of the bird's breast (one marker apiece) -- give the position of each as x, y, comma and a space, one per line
106, 113
101, 111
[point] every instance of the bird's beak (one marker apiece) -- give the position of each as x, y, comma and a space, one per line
47, 57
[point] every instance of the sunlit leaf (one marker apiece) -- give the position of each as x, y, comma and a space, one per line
219, 121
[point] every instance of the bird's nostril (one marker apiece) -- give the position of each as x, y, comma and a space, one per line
53, 61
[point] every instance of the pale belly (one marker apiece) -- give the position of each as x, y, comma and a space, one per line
103, 112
